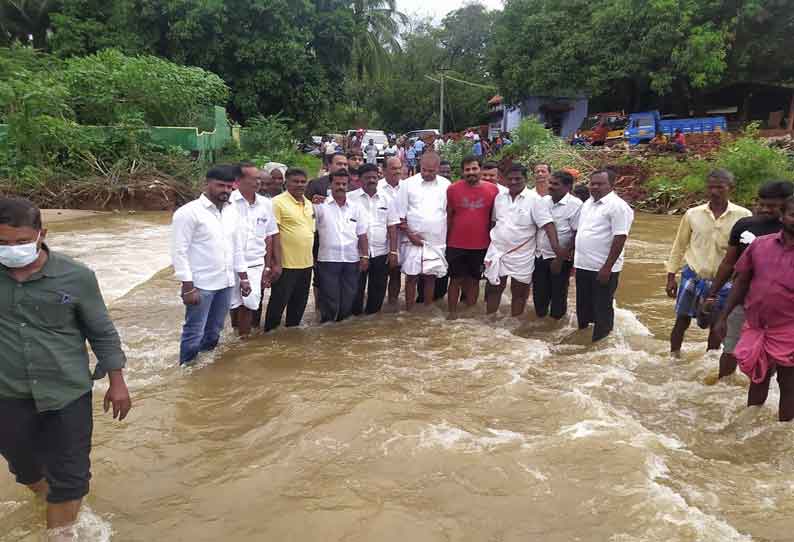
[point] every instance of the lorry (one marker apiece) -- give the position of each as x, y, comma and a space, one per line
642, 127
610, 124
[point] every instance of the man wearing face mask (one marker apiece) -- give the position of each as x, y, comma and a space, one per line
50, 305
207, 250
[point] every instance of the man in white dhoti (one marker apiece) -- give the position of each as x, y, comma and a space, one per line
518, 215
422, 206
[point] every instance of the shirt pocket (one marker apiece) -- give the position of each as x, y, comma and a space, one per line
50, 309
524, 218
260, 227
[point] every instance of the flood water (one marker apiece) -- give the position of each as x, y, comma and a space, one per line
396, 427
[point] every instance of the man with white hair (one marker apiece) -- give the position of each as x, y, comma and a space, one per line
422, 205
261, 247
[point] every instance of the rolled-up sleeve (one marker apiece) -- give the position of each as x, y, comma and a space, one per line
402, 202
181, 236
392, 213
98, 328
680, 245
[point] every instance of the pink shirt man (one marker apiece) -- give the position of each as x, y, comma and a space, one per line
768, 334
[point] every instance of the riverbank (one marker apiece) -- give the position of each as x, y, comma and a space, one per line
52, 216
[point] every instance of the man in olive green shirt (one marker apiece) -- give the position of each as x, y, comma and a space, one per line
49, 306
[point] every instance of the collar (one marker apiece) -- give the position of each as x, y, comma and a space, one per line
525, 193
606, 198
205, 201
565, 200
237, 196
331, 201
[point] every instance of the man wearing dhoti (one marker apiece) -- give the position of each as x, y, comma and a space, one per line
422, 206
518, 215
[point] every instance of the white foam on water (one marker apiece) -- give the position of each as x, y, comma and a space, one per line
673, 508
627, 324
586, 428
90, 527
450, 437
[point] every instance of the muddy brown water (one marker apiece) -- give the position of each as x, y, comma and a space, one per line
396, 427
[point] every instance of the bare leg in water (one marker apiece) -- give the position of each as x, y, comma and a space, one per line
59, 515
410, 291
520, 294
677, 334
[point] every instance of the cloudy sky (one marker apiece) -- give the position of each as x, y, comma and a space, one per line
438, 8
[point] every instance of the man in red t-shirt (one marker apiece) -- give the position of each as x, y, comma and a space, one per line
469, 206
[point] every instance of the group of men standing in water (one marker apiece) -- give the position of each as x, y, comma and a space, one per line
229, 245
737, 280
359, 228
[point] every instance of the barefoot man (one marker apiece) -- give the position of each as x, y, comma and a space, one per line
49, 306
423, 216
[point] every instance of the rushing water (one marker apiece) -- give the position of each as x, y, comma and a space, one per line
396, 427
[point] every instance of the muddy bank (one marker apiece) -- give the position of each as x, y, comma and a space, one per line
52, 216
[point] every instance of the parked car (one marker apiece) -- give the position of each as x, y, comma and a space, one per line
416, 134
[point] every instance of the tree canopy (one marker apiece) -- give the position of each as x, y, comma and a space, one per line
633, 50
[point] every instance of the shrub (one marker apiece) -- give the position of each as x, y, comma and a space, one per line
108, 86
454, 152
753, 162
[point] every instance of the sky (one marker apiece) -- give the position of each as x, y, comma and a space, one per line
438, 8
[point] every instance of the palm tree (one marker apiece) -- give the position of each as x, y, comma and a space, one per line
377, 29
20, 19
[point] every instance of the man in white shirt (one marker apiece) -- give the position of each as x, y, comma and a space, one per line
422, 204
541, 173
390, 187
261, 243
344, 252
382, 220
604, 225
551, 277
490, 173
207, 250
518, 215
371, 152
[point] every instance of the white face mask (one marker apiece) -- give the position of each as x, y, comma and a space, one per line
16, 256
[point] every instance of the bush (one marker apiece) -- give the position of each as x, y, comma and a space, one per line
454, 152
753, 162
750, 159
108, 86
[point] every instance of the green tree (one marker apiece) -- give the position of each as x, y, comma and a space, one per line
377, 27
277, 56
406, 99
639, 52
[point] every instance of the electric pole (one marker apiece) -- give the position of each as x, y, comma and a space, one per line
441, 108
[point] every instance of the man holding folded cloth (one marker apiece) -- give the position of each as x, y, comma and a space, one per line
518, 214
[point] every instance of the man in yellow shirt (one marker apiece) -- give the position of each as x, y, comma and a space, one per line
295, 218
699, 247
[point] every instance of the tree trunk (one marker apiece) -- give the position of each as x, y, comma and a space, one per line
40, 39
790, 123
